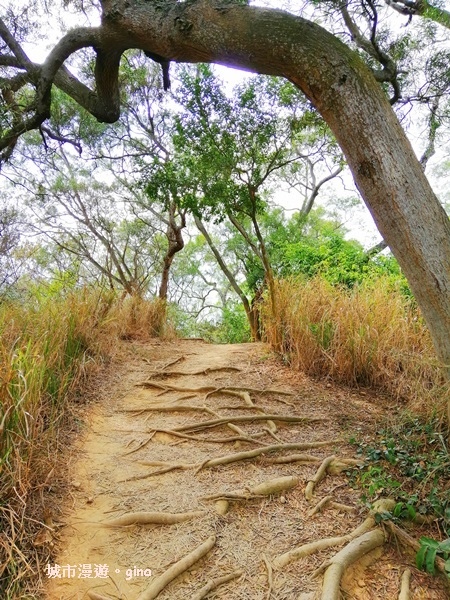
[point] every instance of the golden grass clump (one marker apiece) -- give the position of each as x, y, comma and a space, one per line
136, 318
371, 335
47, 350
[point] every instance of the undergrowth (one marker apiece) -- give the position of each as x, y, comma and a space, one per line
371, 335
410, 464
48, 349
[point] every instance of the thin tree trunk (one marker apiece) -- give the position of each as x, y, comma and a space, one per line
252, 320
176, 244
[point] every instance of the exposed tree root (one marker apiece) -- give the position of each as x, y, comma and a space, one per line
302, 458
342, 507
237, 429
215, 583
225, 460
141, 445
404, 538
342, 464
236, 438
250, 439
245, 419
176, 388
404, 585
269, 576
254, 390
156, 587
157, 518
320, 474
267, 488
222, 507
209, 389
165, 468
169, 408
94, 596
173, 362
271, 427
336, 566
320, 505
245, 396
328, 502
208, 371
282, 560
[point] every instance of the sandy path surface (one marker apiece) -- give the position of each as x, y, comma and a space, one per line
111, 477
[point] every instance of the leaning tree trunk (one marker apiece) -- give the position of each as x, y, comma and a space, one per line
337, 82
341, 87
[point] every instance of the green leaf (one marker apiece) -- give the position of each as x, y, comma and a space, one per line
444, 546
430, 542
429, 560
411, 511
447, 565
420, 557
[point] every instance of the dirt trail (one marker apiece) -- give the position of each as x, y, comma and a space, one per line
110, 479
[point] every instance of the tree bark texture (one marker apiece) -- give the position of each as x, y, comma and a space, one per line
337, 82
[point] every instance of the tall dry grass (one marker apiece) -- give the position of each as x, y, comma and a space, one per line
47, 351
370, 336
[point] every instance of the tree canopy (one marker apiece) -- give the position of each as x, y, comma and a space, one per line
351, 70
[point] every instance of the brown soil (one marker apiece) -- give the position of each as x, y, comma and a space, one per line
108, 480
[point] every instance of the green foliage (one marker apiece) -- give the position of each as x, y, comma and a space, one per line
429, 549
233, 327
315, 245
409, 463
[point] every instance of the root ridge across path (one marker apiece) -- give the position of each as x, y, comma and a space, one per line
212, 471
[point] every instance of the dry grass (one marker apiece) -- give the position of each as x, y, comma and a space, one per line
370, 336
47, 351
136, 318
